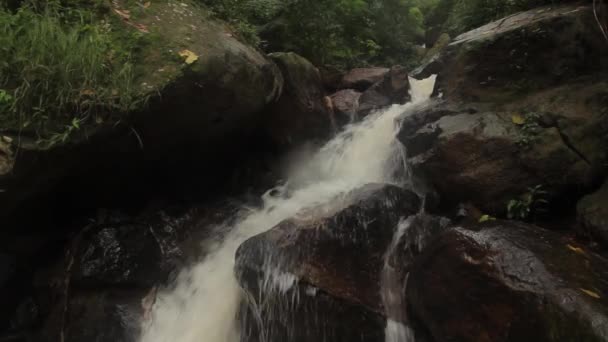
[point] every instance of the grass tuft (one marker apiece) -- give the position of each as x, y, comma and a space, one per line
60, 68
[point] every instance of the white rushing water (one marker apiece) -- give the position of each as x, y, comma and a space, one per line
203, 304
392, 289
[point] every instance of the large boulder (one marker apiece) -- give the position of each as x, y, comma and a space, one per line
593, 214
361, 79
200, 109
491, 157
301, 113
103, 285
507, 281
331, 258
524, 107
345, 104
393, 88
518, 54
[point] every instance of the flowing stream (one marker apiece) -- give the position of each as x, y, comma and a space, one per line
203, 303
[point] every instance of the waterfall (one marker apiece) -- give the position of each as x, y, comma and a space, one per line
392, 288
203, 303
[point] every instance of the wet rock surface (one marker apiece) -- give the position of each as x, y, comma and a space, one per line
521, 108
508, 281
345, 104
392, 89
488, 157
300, 114
361, 79
329, 258
523, 52
104, 284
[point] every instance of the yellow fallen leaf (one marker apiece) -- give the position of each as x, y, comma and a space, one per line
123, 13
576, 249
591, 293
87, 92
147, 4
190, 57
518, 119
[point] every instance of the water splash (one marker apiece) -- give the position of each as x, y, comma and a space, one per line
203, 303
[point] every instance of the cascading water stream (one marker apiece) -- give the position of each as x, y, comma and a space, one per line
202, 305
392, 288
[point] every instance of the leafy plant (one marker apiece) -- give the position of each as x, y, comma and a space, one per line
529, 128
529, 203
6, 101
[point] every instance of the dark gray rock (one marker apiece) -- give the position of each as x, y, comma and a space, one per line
301, 113
521, 53
392, 89
361, 79
592, 213
509, 281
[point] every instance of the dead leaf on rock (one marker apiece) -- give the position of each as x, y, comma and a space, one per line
518, 119
87, 92
590, 293
123, 13
190, 57
576, 249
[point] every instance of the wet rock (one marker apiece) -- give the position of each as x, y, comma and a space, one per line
107, 315
392, 89
126, 254
300, 114
361, 79
593, 214
330, 258
331, 78
521, 53
509, 281
488, 154
345, 104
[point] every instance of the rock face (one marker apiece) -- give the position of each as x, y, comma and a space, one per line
593, 214
104, 284
392, 89
509, 282
329, 258
514, 116
521, 53
300, 113
198, 109
346, 104
361, 79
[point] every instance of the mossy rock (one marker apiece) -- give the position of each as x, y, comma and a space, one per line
301, 114
201, 89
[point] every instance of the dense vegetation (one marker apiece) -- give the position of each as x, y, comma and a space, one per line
346, 33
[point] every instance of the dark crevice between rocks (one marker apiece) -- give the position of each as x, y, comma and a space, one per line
566, 141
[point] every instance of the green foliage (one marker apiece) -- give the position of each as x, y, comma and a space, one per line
60, 65
529, 130
528, 204
341, 33
486, 218
457, 16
